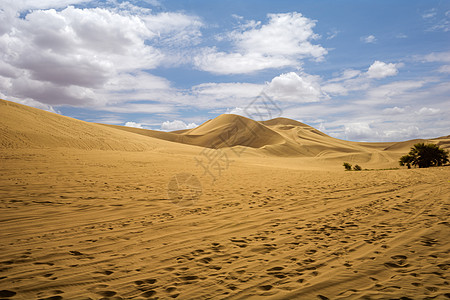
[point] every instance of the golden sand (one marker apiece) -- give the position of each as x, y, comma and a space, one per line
88, 212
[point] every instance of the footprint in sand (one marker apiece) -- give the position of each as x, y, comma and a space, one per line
106, 293
239, 242
148, 294
266, 287
189, 278
205, 260
145, 281
399, 261
429, 242
106, 272
276, 272
7, 293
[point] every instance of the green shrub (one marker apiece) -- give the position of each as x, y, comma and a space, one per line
424, 155
357, 168
347, 166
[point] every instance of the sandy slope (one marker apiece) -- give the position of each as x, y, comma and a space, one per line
26, 127
283, 137
79, 222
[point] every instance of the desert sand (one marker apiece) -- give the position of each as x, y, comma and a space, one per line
93, 211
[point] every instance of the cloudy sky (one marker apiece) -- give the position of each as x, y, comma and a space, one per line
357, 70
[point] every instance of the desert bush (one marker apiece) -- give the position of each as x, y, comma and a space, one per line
424, 155
347, 166
357, 168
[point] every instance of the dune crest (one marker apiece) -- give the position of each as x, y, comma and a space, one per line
26, 127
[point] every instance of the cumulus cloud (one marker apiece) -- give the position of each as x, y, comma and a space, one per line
176, 125
133, 124
80, 57
370, 39
428, 111
296, 87
374, 130
236, 111
283, 41
358, 131
214, 61
351, 80
380, 69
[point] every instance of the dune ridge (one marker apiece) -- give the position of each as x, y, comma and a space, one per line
27, 127
23, 127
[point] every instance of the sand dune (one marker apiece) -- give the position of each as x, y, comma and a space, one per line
26, 127
282, 137
86, 213
223, 131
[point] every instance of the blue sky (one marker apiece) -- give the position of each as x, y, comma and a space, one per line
357, 70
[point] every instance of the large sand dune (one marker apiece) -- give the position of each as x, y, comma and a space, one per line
85, 213
23, 127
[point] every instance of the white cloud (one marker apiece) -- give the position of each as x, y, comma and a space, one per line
175, 28
211, 60
332, 34
375, 130
347, 74
295, 87
335, 89
370, 39
222, 95
358, 131
394, 110
283, 41
237, 17
380, 69
395, 90
437, 20
156, 108
444, 69
26, 5
354, 80
226, 90
436, 57
153, 2
86, 57
285, 34
428, 111
176, 125
133, 124
431, 13
236, 111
